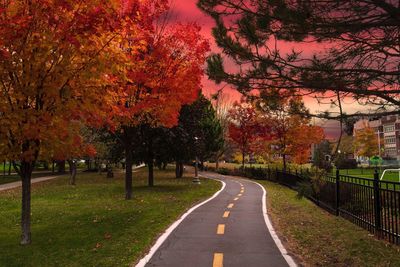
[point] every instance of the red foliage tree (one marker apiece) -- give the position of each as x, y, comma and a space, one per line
164, 75
245, 129
56, 57
292, 133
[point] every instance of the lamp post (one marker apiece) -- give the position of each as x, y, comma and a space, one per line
379, 142
196, 179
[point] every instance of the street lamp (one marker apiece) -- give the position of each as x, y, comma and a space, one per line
196, 179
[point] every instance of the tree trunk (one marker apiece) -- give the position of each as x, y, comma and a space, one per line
150, 160
217, 162
46, 165
243, 156
61, 166
4, 168
181, 168
52, 167
284, 162
26, 175
110, 173
9, 167
99, 169
177, 171
72, 167
164, 165
128, 172
151, 172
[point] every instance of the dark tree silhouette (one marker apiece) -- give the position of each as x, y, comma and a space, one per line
356, 48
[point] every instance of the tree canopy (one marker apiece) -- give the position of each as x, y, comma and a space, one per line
355, 44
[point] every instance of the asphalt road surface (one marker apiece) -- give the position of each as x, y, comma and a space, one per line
229, 231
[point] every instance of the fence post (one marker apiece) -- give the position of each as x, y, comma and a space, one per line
337, 193
377, 204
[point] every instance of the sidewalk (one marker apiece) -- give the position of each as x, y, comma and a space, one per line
13, 185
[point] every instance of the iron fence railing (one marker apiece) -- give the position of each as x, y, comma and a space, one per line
369, 203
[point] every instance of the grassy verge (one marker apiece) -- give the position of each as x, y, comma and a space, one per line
91, 224
318, 238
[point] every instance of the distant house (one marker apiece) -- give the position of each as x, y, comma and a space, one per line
387, 129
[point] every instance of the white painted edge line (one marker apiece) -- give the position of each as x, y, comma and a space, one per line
272, 231
167, 232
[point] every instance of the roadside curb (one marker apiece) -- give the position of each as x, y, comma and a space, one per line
271, 229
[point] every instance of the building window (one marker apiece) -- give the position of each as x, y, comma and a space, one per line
390, 151
390, 140
388, 128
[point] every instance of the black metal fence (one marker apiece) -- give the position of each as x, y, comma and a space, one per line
369, 203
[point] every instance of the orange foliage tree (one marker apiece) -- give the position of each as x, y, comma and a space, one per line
164, 75
366, 142
56, 57
292, 133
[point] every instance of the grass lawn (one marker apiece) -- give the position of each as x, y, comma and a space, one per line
4, 167
91, 224
369, 173
321, 239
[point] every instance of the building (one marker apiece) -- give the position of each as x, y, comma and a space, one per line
387, 129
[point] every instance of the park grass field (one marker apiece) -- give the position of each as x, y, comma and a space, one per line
91, 224
318, 238
369, 173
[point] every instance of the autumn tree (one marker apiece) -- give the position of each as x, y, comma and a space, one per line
366, 142
56, 58
292, 135
354, 54
245, 130
162, 77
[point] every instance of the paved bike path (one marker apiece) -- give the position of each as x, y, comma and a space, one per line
229, 231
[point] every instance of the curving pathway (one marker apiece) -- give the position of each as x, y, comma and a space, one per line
229, 230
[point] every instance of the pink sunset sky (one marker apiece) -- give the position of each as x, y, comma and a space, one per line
187, 11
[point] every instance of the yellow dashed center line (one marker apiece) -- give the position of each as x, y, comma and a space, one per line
218, 260
236, 198
221, 229
230, 206
226, 214
239, 195
241, 191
